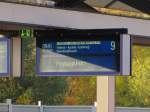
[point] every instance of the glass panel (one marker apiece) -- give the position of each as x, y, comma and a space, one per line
3, 57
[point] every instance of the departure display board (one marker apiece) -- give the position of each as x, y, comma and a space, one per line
78, 53
4, 56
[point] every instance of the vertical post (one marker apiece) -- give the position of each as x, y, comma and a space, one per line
105, 94
39, 1
9, 102
16, 57
40, 106
126, 54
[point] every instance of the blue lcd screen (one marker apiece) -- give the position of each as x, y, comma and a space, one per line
81, 47
78, 54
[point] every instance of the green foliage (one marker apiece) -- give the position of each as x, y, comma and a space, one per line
82, 90
140, 82
135, 90
30, 90
49, 90
25, 98
29, 54
123, 97
9, 88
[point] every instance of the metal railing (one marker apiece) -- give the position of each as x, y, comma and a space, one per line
4, 107
132, 109
8, 107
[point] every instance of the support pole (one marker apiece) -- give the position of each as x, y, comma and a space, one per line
9, 102
40, 106
105, 94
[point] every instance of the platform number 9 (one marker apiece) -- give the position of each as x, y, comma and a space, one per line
113, 45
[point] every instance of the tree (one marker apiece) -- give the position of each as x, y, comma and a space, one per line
135, 90
140, 82
81, 90
9, 89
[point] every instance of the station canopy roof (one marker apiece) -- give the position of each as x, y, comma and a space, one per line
127, 5
87, 5
18, 15
141, 8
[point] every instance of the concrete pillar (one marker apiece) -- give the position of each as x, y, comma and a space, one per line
105, 94
16, 57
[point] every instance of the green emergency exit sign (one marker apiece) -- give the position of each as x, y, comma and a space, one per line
26, 33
